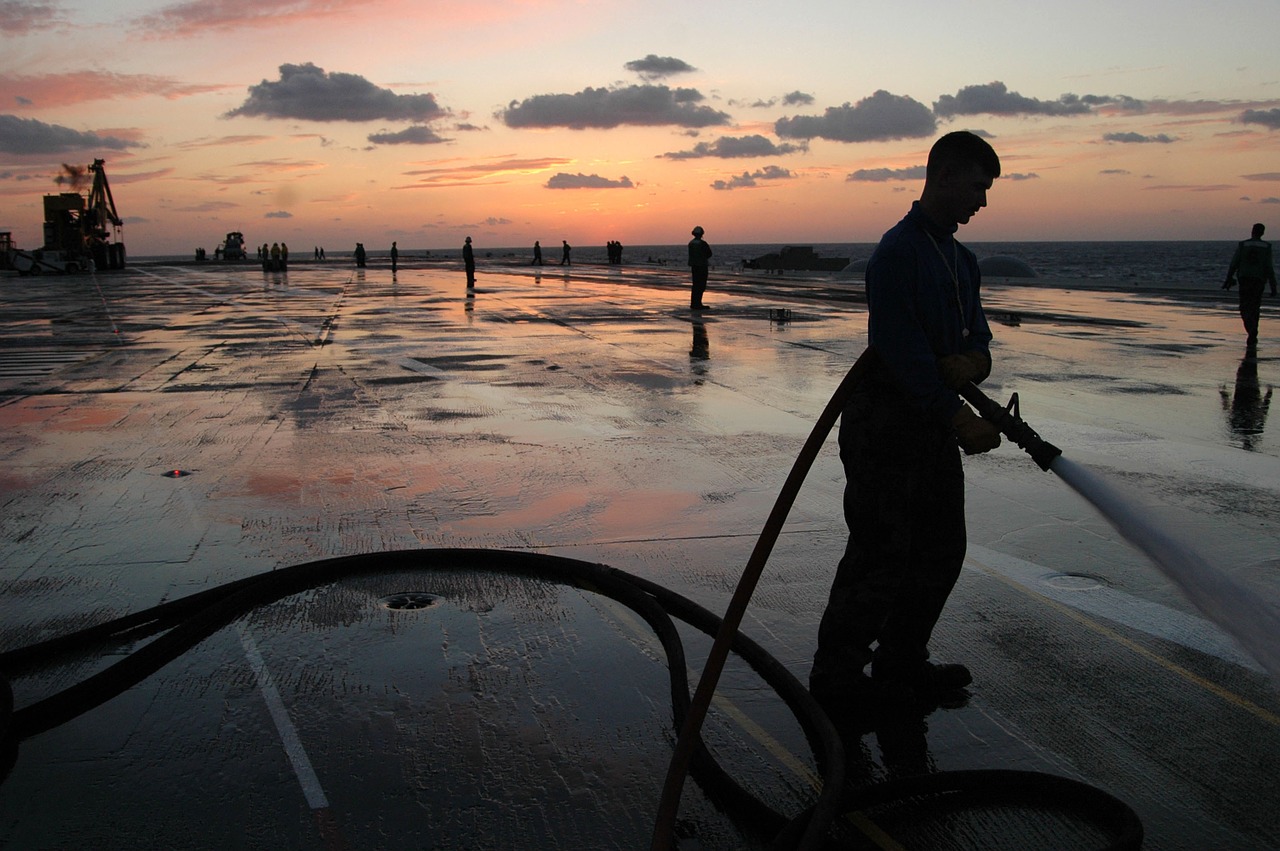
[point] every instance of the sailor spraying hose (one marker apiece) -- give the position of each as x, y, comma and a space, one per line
903, 426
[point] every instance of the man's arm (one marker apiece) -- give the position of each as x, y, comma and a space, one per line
1231, 270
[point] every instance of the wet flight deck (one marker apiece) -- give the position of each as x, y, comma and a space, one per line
171, 428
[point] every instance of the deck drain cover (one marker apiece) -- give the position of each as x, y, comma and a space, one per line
409, 600
1075, 581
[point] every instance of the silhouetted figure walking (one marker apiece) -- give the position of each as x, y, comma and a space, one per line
699, 267
1252, 264
395, 257
469, 260
564, 253
537, 253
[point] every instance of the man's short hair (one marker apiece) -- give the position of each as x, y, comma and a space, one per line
962, 148
1259, 229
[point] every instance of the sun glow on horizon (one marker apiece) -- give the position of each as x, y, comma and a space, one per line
546, 120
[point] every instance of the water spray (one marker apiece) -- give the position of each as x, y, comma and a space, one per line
1237, 610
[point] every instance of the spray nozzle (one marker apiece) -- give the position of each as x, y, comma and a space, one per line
1011, 425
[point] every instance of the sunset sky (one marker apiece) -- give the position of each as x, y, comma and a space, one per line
327, 122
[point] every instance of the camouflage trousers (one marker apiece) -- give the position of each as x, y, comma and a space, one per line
904, 505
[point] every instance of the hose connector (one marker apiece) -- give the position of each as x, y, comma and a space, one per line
1011, 425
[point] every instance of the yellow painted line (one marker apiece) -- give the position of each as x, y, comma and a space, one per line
857, 818
1190, 676
761, 735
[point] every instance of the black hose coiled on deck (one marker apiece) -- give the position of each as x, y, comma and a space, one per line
193, 618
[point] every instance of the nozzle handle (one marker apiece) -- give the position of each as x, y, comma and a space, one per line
1011, 425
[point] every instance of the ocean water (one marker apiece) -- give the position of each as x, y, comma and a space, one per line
1177, 264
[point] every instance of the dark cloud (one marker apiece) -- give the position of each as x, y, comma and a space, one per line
587, 181
730, 147
29, 136
279, 214
1265, 117
881, 175
1112, 103
1115, 171
1264, 175
20, 18
646, 106
996, 99
880, 117
1139, 138
307, 92
789, 99
419, 134
653, 67
1031, 175
748, 179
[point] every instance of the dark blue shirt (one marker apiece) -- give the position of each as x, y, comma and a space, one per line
917, 311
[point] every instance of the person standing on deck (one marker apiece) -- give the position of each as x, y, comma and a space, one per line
1253, 265
699, 268
469, 260
904, 491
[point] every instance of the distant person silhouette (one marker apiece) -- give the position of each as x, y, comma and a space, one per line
537, 253
699, 267
564, 253
284, 256
395, 257
1253, 266
1246, 408
469, 260
361, 256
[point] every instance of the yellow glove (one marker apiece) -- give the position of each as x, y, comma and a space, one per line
974, 434
959, 370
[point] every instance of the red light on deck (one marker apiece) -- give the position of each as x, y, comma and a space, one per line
175, 474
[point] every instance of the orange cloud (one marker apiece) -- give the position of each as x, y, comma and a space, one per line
53, 90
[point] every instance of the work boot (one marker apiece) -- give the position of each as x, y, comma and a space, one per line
924, 681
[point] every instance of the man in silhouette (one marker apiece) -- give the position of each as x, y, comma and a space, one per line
699, 267
469, 261
1252, 264
904, 492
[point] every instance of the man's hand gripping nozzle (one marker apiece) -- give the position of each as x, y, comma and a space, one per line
1011, 425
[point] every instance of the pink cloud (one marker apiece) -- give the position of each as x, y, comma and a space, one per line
51, 90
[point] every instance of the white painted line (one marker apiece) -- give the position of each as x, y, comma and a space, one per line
293, 748
1154, 619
